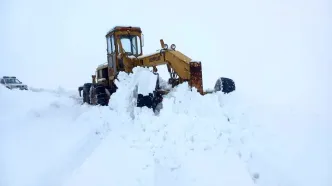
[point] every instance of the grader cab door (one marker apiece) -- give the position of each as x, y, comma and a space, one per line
111, 56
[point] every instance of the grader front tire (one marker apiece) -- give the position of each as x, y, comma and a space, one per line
226, 85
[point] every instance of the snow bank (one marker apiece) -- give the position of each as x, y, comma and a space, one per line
47, 138
188, 143
212, 140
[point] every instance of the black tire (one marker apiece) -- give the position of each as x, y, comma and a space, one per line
86, 92
86, 98
102, 97
157, 102
87, 86
145, 101
226, 85
151, 101
100, 89
112, 89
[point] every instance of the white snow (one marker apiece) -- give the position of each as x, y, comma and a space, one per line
150, 54
44, 136
48, 139
144, 80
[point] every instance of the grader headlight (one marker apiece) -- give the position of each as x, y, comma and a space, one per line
165, 46
173, 46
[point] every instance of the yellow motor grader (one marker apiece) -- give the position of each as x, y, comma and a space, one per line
125, 52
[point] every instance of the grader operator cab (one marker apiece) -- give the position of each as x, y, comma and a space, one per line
124, 52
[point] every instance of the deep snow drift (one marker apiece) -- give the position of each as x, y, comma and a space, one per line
50, 139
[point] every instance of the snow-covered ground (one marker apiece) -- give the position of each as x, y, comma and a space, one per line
47, 138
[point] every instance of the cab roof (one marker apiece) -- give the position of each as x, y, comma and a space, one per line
124, 28
7, 77
101, 66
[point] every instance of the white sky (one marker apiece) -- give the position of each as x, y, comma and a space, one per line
274, 50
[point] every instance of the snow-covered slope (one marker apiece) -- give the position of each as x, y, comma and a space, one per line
42, 136
49, 139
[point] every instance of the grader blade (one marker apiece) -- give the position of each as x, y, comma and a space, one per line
196, 76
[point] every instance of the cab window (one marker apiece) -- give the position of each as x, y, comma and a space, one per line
102, 73
110, 45
131, 44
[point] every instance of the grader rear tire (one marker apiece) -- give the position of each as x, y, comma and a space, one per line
101, 95
86, 92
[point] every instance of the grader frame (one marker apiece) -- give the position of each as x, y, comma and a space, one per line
125, 52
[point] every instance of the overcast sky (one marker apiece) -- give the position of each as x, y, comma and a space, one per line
275, 50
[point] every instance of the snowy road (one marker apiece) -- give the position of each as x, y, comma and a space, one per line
48, 139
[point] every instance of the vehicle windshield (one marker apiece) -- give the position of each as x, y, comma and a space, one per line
131, 44
12, 81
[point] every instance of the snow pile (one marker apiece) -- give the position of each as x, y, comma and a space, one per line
188, 143
47, 138
146, 81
